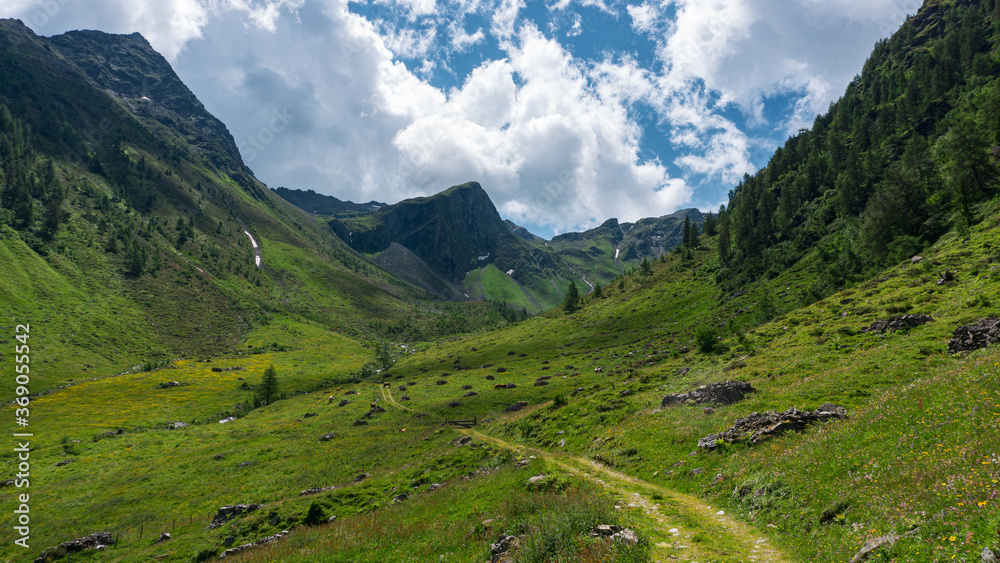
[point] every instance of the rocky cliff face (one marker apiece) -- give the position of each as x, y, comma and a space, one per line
128, 69
453, 232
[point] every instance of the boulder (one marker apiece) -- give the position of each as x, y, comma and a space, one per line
461, 441
362, 477
722, 393
227, 513
327, 437
975, 336
516, 406
343, 403
987, 556
502, 546
759, 427
470, 394
165, 536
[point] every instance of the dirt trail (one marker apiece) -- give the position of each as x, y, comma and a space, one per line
687, 529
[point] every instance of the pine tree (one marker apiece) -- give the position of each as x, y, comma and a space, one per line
694, 236
572, 301
686, 237
709, 224
645, 268
268, 391
724, 242
597, 291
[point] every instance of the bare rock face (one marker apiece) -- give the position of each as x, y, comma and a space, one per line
760, 426
900, 322
723, 393
975, 336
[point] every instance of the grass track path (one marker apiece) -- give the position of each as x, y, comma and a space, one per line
722, 539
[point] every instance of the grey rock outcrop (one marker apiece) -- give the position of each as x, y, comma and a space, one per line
975, 336
93, 541
722, 393
760, 426
227, 513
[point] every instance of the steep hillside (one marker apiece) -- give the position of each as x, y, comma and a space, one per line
131, 207
907, 154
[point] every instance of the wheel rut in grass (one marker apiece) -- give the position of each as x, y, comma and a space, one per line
685, 529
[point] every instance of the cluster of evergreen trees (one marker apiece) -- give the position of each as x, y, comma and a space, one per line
31, 193
904, 156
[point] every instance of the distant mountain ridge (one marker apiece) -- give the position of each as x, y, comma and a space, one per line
320, 204
448, 242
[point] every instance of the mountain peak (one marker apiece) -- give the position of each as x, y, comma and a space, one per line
137, 75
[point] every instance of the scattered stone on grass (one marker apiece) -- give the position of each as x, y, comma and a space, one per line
899, 322
276, 537
227, 513
93, 541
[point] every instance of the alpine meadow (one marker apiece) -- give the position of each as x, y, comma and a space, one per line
196, 366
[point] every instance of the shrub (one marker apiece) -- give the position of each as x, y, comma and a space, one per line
314, 516
704, 337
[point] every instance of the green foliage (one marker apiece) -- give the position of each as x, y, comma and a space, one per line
645, 268
572, 301
267, 392
705, 339
710, 224
598, 293
906, 149
314, 516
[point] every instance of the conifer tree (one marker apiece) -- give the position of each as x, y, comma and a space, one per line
268, 392
572, 301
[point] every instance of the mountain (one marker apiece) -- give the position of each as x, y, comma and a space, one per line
135, 76
126, 200
320, 204
859, 423
906, 155
521, 232
456, 245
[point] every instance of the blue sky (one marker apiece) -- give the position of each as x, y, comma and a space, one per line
567, 112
